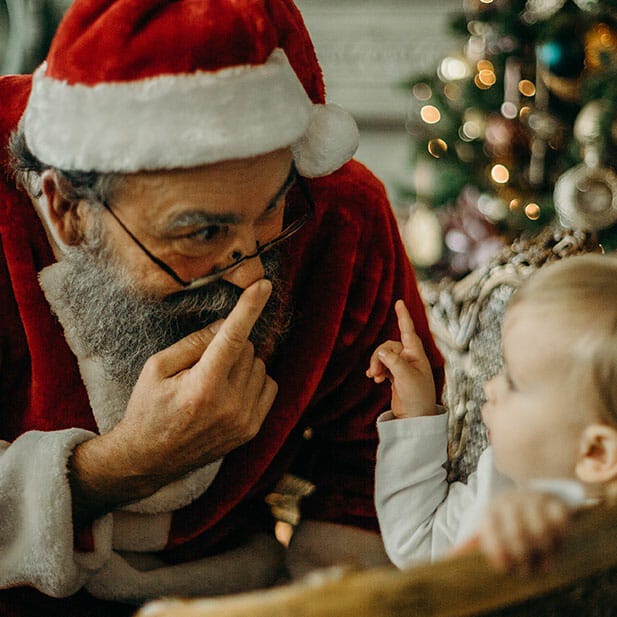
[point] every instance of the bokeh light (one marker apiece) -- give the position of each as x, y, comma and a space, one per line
532, 211
437, 147
430, 114
526, 87
422, 91
500, 173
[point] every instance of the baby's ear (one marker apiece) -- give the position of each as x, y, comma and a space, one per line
597, 462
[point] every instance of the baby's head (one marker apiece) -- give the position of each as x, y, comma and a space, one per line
552, 412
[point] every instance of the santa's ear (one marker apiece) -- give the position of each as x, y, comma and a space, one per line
62, 211
597, 462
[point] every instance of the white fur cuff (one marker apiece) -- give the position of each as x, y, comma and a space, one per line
36, 520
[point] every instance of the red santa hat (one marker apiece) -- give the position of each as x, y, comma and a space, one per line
133, 85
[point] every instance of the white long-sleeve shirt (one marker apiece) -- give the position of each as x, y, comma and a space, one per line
420, 514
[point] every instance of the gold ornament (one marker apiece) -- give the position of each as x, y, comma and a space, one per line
600, 46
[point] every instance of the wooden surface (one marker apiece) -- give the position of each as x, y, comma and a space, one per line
457, 587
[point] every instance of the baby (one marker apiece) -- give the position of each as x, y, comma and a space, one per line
551, 416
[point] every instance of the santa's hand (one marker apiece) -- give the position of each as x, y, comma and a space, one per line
522, 529
193, 403
204, 396
407, 367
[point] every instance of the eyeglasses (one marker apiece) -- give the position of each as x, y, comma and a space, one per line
289, 229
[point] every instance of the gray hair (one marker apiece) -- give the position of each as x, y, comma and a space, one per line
77, 185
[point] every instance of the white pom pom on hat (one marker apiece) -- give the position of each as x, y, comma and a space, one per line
156, 85
329, 142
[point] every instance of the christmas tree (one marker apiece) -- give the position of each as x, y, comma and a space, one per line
513, 132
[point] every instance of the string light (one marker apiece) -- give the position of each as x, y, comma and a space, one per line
509, 110
526, 87
471, 130
487, 77
524, 112
514, 204
422, 91
532, 211
500, 173
485, 65
437, 147
430, 114
453, 69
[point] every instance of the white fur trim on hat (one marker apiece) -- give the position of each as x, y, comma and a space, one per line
185, 120
330, 141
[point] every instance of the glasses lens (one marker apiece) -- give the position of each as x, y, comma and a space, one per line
298, 209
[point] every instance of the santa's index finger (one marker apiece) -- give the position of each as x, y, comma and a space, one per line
406, 325
229, 341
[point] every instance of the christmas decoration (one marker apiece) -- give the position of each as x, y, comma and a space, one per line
513, 131
586, 198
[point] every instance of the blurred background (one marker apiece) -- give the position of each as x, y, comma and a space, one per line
485, 119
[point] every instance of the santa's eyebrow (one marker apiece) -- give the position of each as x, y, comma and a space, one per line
200, 218
203, 218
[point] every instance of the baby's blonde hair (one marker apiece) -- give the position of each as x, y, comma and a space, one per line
586, 287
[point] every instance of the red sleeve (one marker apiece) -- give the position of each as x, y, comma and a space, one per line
369, 268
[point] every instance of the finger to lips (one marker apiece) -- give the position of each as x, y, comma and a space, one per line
227, 345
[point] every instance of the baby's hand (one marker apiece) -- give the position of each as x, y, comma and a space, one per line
522, 529
405, 364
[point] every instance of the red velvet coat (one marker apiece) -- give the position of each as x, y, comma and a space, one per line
346, 268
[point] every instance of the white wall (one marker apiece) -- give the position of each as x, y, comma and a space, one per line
366, 49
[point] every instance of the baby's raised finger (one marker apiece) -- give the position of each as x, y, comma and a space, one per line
406, 325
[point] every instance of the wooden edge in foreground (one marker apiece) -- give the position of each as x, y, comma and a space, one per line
457, 587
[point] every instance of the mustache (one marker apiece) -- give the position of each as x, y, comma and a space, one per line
119, 324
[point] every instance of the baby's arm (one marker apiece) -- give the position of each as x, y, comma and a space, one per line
405, 364
419, 513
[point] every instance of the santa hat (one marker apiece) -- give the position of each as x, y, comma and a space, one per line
133, 85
